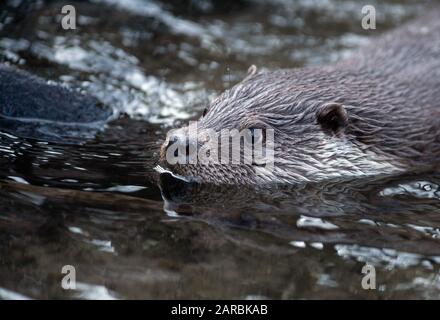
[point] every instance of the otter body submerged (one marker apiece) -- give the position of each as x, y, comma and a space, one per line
375, 113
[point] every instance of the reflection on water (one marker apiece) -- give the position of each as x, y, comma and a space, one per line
101, 207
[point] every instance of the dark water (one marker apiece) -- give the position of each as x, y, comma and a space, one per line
98, 206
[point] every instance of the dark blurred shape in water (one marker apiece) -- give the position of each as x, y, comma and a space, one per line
31, 108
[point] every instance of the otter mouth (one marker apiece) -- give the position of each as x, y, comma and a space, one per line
175, 190
162, 171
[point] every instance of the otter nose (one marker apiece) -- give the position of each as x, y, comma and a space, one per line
177, 137
179, 147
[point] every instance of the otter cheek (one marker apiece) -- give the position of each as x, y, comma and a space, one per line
207, 153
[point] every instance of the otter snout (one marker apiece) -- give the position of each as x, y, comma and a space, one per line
178, 147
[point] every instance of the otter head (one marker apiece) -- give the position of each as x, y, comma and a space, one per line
306, 135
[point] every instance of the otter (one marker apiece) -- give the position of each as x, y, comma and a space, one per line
374, 113
32, 108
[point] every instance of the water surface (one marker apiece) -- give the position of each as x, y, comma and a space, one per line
98, 206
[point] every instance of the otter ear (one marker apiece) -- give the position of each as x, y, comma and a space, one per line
332, 117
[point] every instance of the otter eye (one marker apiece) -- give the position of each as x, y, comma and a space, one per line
205, 111
257, 134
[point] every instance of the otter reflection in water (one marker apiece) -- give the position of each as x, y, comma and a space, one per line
349, 212
376, 113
